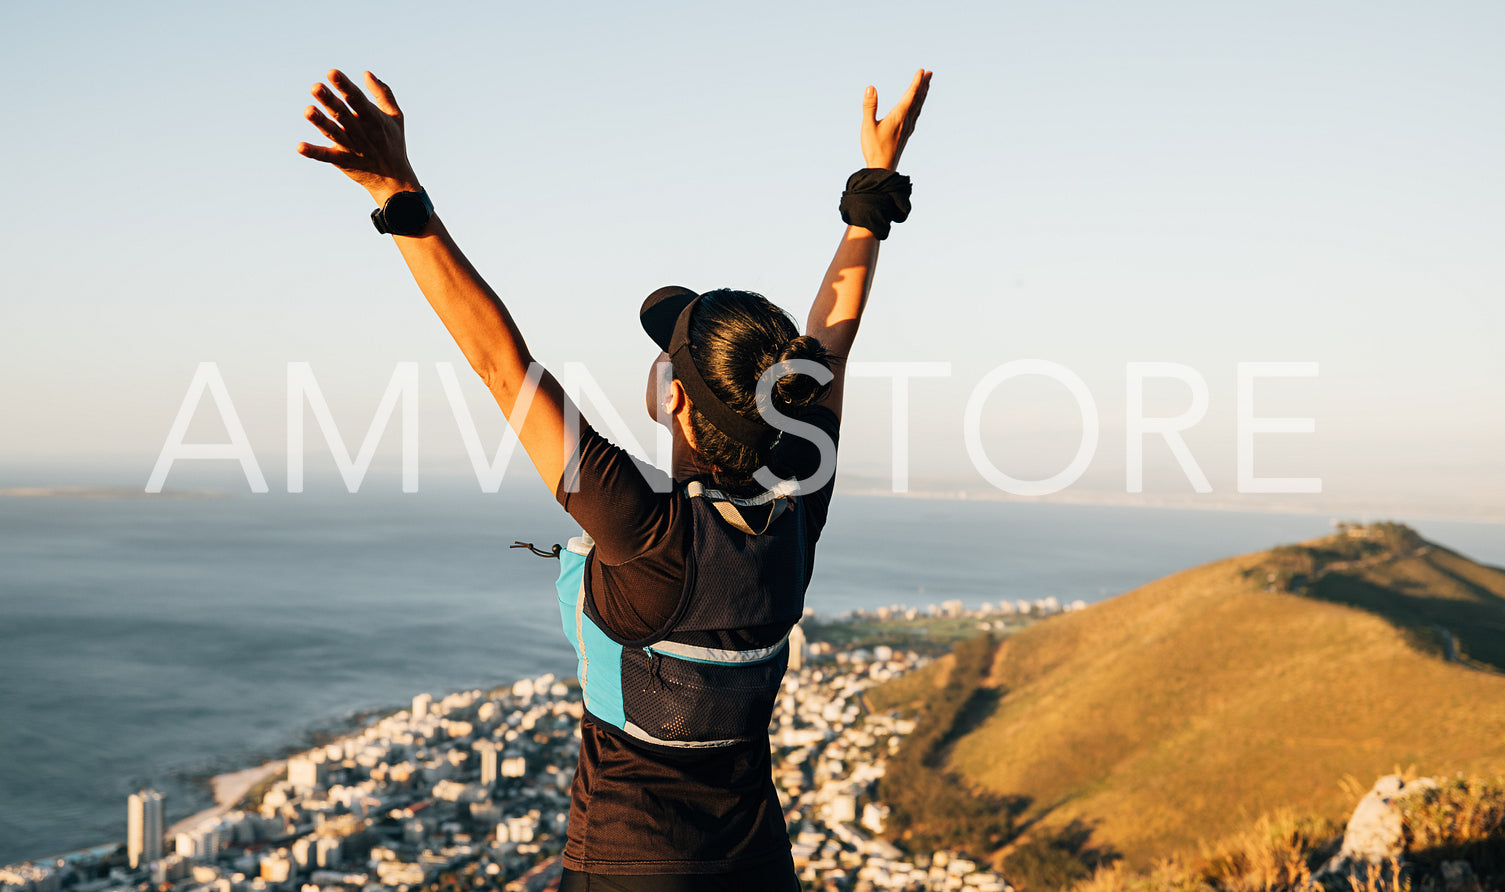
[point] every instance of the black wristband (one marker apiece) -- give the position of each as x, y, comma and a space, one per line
874, 198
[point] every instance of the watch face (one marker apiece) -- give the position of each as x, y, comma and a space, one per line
407, 213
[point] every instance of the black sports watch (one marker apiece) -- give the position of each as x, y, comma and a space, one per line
405, 213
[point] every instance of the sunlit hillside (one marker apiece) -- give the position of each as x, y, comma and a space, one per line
1186, 709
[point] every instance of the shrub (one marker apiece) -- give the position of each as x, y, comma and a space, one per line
932, 809
1463, 819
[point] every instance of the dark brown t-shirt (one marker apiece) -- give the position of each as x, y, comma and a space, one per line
635, 810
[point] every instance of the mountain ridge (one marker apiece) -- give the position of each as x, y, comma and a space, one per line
1189, 707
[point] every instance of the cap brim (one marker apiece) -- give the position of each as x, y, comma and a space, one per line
661, 310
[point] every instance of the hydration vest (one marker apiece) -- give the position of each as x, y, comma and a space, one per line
711, 677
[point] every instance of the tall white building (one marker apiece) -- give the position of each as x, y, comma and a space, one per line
487, 752
796, 648
421, 704
143, 827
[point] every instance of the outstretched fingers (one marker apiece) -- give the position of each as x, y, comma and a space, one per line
366, 135
352, 94
909, 105
921, 93
383, 96
337, 157
334, 132
336, 107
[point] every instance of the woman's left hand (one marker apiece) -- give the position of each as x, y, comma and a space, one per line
369, 144
883, 139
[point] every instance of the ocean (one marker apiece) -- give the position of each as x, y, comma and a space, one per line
150, 641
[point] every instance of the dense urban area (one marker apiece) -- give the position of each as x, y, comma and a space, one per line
471, 791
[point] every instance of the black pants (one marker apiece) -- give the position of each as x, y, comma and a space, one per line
775, 876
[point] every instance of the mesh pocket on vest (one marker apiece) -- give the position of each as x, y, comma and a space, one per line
682, 700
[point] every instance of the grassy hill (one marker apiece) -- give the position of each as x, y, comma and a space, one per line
1183, 711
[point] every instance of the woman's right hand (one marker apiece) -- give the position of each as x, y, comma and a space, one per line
883, 140
369, 144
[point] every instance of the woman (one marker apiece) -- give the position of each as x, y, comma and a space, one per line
679, 598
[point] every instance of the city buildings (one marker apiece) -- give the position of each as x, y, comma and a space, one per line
472, 791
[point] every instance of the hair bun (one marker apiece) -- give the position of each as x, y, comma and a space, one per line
796, 391
737, 340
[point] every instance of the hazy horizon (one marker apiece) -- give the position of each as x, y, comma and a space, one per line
96, 478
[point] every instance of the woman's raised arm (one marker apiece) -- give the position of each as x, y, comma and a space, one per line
370, 148
837, 310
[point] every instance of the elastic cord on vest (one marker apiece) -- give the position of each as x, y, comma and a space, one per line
551, 553
874, 198
745, 431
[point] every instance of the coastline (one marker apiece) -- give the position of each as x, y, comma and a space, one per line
516, 833
229, 788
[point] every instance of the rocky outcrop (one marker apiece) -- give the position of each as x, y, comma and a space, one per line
1374, 846
1375, 836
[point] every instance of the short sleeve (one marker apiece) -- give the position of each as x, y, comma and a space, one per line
626, 505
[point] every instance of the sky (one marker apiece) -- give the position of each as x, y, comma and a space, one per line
1095, 185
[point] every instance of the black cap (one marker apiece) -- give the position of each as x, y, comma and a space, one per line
666, 317
661, 311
